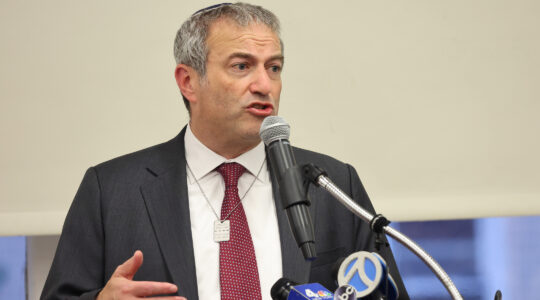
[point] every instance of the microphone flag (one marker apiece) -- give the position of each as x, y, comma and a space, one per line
368, 274
311, 291
345, 292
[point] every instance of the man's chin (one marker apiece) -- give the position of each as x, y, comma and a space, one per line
252, 136
249, 130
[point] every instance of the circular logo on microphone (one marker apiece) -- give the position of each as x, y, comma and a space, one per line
345, 292
362, 270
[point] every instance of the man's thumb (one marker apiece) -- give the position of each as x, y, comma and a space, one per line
130, 266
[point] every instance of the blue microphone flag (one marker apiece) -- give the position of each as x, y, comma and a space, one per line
368, 274
310, 291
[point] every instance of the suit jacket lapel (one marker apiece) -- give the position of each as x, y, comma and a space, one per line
293, 264
166, 198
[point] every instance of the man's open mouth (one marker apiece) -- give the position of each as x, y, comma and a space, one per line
261, 109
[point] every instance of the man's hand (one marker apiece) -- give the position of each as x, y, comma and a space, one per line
122, 286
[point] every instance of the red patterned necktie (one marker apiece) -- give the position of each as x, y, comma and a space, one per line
238, 274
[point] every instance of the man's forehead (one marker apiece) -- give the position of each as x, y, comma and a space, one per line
228, 29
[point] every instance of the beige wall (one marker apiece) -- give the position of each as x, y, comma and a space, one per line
435, 103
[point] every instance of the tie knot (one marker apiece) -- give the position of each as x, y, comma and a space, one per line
231, 172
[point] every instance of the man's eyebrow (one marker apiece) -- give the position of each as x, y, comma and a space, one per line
249, 56
278, 57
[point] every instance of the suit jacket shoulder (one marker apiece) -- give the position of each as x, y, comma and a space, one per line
156, 160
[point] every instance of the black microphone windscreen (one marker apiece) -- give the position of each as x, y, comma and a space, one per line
274, 128
281, 289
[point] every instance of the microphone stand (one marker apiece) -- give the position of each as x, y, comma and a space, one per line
379, 224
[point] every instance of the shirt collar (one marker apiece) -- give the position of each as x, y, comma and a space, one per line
202, 160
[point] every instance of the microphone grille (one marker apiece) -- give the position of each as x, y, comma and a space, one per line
274, 128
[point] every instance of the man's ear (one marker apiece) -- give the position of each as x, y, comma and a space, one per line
187, 81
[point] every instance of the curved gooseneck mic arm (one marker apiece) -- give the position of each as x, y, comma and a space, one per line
319, 178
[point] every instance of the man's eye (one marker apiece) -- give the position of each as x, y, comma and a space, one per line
241, 66
275, 69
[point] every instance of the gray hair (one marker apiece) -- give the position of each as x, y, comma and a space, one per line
190, 44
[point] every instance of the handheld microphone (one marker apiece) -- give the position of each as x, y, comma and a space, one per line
286, 289
368, 274
275, 134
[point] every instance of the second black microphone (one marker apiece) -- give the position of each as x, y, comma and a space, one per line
292, 187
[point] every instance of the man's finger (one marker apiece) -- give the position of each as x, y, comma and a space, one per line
130, 266
151, 288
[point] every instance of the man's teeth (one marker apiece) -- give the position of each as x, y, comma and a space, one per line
258, 106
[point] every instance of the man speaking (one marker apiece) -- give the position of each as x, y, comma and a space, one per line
200, 216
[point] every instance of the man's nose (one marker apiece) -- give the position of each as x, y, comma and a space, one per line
261, 82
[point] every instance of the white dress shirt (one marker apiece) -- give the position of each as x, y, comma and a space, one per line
258, 204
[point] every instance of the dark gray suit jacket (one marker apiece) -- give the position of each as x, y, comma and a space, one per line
140, 201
